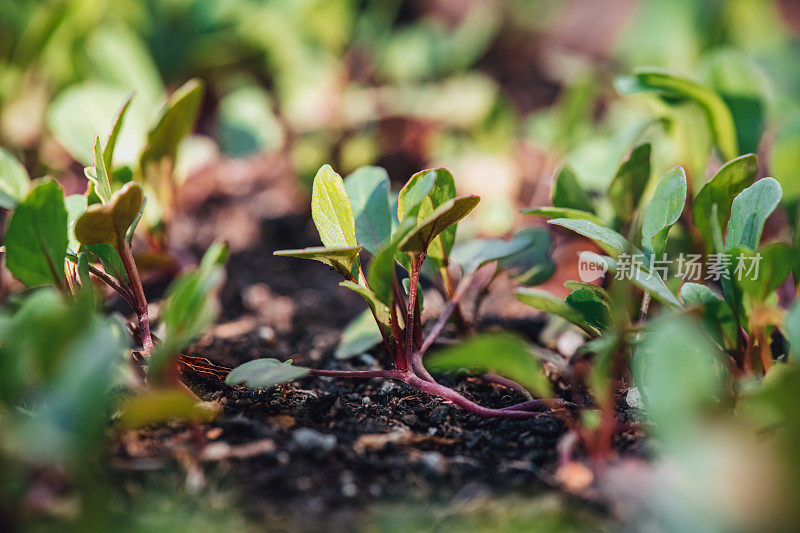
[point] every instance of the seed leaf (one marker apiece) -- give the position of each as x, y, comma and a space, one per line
368, 190
108, 223
626, 189
731, 179
331, 210
36, 239
343, 260
664, 210
442, 218
501, 353
749, 212
14, 181
265, 373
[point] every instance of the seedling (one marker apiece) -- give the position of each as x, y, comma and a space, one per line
427, 212
70, 242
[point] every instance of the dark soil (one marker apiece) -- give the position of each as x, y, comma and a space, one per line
320, 450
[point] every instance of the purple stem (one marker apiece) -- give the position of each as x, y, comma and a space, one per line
539, 405
386, 374
505, 382
464, 403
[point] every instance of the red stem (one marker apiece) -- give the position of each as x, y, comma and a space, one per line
138, 293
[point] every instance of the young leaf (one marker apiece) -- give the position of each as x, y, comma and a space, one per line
749, 212
111, 142
591, 307
109, 223
442, 218
359, 336
265, 373
568, 193
664, 210
111, 261
670, 86
532, 265
425, 192
368, 189
606, 237
36, 239
343, 260
176, 121
598, 291
718, 318
98, 174
14, 181
626, 189
500, 353
731, 179
331, 210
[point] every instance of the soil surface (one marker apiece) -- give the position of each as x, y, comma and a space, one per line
319, 451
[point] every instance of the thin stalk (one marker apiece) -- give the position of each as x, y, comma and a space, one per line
413, 278
124, 292
449, 290
508, 383
446, 312
464, 403
386, 374
138, 293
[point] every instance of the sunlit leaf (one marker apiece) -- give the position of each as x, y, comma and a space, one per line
784, 159
331, 210
176, 122
111, 142
379, 309
109, 223
98, 174
342, 260
442, 218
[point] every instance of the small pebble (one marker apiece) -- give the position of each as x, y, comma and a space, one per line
309, 439
365, 400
